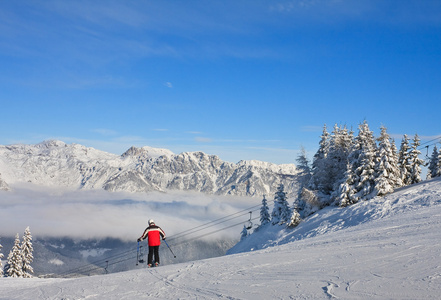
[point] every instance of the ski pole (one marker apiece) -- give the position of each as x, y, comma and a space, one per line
169, 248
137, 254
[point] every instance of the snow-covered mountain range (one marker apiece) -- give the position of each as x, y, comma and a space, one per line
74, 166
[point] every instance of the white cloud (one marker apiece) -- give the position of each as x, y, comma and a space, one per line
56, 262
105, 132
312, 128
98, 214
168, 84
200, 139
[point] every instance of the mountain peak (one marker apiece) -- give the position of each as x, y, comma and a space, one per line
51, 143
146, 151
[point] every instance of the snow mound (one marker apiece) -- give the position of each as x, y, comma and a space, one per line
332, 219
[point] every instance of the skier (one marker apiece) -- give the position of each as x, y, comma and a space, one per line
154, 234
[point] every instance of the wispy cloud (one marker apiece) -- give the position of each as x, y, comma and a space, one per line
200, 139
105, 132
168, 84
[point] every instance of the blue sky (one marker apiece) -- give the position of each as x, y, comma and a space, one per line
239, 79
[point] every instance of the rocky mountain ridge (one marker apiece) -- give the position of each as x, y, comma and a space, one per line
55, 163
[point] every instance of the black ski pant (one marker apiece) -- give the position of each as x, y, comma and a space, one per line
153, 250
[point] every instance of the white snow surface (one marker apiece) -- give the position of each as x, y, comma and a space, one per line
386, 248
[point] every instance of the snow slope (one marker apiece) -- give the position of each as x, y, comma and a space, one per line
387, 248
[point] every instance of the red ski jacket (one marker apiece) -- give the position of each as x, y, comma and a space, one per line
154, 234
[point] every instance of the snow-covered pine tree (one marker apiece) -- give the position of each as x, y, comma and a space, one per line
364, 173
264, 212
295, 219
340, 145
385, 167
27, 253
344, 195
14, 266
438, 169
403, 161
397, 176
433, 164
1, 264
303, 167
243, 233
281, 211
335, 161
318, 171
414, 161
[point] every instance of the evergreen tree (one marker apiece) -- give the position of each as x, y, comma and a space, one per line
438, 172
243, 233
318, 164
346, 190
364, 164
303, 161
281, 212
433, 164
14, 266
295, 219
303, 167
1, 264
385, 167
403, 161
26, 252
264, 212
340, 146
414, 161
397, 175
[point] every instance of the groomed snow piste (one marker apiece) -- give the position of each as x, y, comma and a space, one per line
386, 248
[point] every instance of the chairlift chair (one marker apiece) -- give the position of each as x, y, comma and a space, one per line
249, 224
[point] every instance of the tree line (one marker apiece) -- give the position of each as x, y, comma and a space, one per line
347, 169
20, 258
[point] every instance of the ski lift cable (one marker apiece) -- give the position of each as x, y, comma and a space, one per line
85, 268
209, 233
97, 262
437, 138
217, 221
95, 268
203, 228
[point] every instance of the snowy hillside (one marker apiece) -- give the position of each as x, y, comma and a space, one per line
73, 166
385, 248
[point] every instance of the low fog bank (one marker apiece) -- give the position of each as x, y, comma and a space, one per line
100, 214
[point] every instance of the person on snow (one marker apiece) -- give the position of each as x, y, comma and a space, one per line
154, 234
